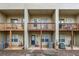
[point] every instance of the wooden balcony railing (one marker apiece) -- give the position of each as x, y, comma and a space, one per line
41, 26
69, 26
11, 26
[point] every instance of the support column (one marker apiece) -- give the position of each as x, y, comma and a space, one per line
72, 40
56, 28
26, 39
10, 45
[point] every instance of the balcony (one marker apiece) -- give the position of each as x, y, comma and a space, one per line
10, 26
41, 26
69, 26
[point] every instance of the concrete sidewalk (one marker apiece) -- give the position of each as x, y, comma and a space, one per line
39, 53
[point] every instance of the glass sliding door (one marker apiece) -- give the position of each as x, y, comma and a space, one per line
15, 41
46, 41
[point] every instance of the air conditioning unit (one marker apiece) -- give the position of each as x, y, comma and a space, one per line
62, 43
62, 46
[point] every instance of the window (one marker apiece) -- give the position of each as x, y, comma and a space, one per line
14, 20
35, 21
61, 21
41, 20
45, 38
14, 40
42, 40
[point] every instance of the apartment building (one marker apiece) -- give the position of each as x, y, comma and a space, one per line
39, 26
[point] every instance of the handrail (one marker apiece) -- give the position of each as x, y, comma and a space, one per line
11, 23
41, 23
8, 26
68, 23
69, 26
41, 26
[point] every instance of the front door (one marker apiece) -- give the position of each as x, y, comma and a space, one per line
33, 38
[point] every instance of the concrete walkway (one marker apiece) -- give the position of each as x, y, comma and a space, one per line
39, 53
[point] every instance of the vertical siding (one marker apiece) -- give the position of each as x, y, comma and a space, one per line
77, 19
2, 36
53, 18
2, 18
0, 40
76, 38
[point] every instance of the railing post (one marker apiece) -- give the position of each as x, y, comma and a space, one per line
5, 26
76, 26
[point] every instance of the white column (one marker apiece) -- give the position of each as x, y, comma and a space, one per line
57, 28
26, 19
